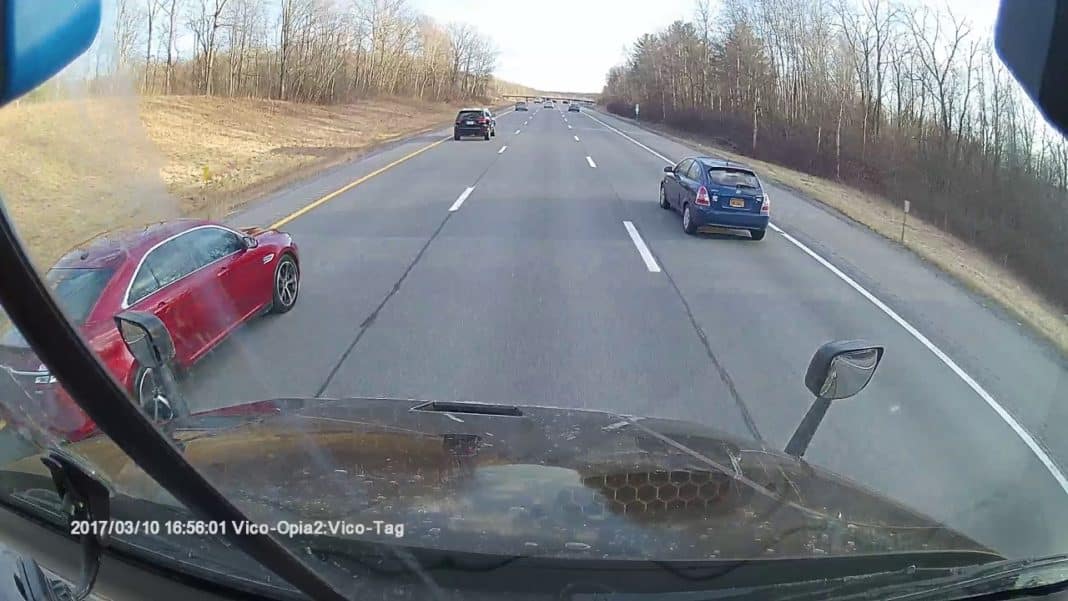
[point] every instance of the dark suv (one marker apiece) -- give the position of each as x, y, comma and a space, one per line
474, 122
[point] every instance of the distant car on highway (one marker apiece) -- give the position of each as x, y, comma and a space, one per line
714, 192
548, 105
521, 106
474, 122
202, 279
573, 108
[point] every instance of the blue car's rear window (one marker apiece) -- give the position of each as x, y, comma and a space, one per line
737, 178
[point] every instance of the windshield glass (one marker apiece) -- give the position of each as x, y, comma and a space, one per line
733, 178
77, 289
389, 303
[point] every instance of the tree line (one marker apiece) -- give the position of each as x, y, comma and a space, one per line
902, 100
321, 51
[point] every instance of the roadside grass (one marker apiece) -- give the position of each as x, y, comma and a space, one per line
72, 169
968, 265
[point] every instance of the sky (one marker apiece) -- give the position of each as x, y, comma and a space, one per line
569, 45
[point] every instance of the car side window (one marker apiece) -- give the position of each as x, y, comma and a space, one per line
211, 244
144, 283
695, 171
683, 168
168, 263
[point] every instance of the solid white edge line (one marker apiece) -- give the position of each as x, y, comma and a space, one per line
503, 148
647, 149
576, 138
590, 161
1016, 427
643, 250
460, 200
1024, 435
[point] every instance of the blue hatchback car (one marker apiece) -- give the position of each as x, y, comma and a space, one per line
714, 192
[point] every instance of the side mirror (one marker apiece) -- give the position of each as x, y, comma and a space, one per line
146, 337
1030, 38
838, 370
669, 169
151, 345
250, 242
41, 37
842, 368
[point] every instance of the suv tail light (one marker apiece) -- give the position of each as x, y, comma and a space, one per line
483, 120
765, 207
702, 197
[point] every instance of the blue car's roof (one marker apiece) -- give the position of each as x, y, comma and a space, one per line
714, 162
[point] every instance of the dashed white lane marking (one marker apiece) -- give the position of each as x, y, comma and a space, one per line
1016, 427
517, 132
590, 161
576, 138
503, 148
459, 201
643, 250
569, 127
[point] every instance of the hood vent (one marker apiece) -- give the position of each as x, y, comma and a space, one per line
469, 408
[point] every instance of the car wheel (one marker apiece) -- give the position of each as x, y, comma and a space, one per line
148, 392
757, 234
286, 284
487, 135
493, 132
663, 198
456, 136
688, 224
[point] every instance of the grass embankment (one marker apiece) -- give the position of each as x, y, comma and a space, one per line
72, 169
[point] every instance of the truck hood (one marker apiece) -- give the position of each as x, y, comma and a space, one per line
532, 481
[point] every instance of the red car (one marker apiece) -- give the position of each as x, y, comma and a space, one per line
202, 279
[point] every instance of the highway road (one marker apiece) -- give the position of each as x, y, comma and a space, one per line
538, 268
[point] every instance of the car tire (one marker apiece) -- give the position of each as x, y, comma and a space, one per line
688, 225
487, 135
493, 132
285, 285
757, 234
663, 198
456, 136
146, 392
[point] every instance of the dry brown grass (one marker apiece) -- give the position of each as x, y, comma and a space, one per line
72, 169
949, 253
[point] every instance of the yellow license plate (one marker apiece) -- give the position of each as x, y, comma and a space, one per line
738, 203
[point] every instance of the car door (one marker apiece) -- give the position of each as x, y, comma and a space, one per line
673, 185
164, 285
689, 182
238, 281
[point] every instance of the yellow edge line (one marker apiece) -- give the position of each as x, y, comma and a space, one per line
349, 186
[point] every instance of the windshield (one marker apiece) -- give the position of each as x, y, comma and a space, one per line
77, 289
391, 299
733, 178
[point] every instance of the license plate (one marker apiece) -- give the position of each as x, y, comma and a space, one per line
738, 203
469, 122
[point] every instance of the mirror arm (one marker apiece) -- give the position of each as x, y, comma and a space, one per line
807, 428
174, 396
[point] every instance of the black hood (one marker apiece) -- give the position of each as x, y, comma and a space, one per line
533, 481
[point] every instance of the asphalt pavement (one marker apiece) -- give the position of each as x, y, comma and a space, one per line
537, 267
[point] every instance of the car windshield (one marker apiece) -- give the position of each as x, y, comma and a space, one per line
790, 287
733, 177
78, 289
